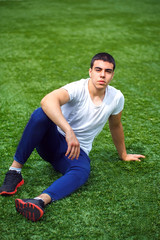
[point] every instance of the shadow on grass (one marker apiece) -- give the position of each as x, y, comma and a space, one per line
112, 155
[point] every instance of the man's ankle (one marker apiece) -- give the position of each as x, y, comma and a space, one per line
16, 164
45, 197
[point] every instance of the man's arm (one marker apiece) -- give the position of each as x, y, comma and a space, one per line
117, 133
51, 105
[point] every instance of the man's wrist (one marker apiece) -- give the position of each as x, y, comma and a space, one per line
68, 130
123, 156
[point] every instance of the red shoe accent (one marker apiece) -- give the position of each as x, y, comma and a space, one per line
11, 193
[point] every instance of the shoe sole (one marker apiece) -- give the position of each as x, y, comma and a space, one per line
29, 210
12, 193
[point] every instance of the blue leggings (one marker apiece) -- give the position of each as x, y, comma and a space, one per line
41, 133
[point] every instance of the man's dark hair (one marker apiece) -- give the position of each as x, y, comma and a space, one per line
106, 57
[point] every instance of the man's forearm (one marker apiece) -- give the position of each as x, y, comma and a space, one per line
118, 139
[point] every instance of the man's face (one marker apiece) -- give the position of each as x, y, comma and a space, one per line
101, 74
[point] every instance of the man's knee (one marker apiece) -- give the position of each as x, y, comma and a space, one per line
39, 116
82, 174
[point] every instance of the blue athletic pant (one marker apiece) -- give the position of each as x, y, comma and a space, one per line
41, 133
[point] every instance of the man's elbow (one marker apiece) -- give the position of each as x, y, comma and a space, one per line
42, 103
115, 125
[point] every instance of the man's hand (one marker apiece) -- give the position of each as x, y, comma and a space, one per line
73, 145
133, 157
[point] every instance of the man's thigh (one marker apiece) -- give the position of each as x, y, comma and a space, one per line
53, 146
63, 164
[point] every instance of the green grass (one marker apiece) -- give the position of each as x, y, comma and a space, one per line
46, 44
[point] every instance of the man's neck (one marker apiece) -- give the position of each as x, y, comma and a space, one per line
97, 95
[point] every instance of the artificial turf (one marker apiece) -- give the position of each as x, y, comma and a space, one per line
46, 44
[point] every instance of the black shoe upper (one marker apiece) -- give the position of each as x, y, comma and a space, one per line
38, 202
12, 179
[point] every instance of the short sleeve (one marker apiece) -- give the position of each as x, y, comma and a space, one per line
72, 89
119, 104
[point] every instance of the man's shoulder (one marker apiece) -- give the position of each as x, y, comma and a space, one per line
114, 93
113, 90
76, 89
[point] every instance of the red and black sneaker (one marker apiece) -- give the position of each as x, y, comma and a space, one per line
12, 181
32, 209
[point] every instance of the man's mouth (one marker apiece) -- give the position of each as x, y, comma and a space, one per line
101, 82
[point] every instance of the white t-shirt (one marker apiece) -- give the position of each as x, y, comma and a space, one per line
86, 119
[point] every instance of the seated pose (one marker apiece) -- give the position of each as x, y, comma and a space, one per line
63, 130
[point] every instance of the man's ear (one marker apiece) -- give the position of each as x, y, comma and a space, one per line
90, 70
113, 75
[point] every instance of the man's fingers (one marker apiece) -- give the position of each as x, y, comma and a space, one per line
78, 152
140, 156
73, 152
134, 157
68, 150
137, 157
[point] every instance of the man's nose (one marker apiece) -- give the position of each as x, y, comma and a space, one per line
102, 73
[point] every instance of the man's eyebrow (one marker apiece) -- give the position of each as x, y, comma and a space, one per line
98, 68
107, 69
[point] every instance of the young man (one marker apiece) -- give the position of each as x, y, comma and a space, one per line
63, 130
